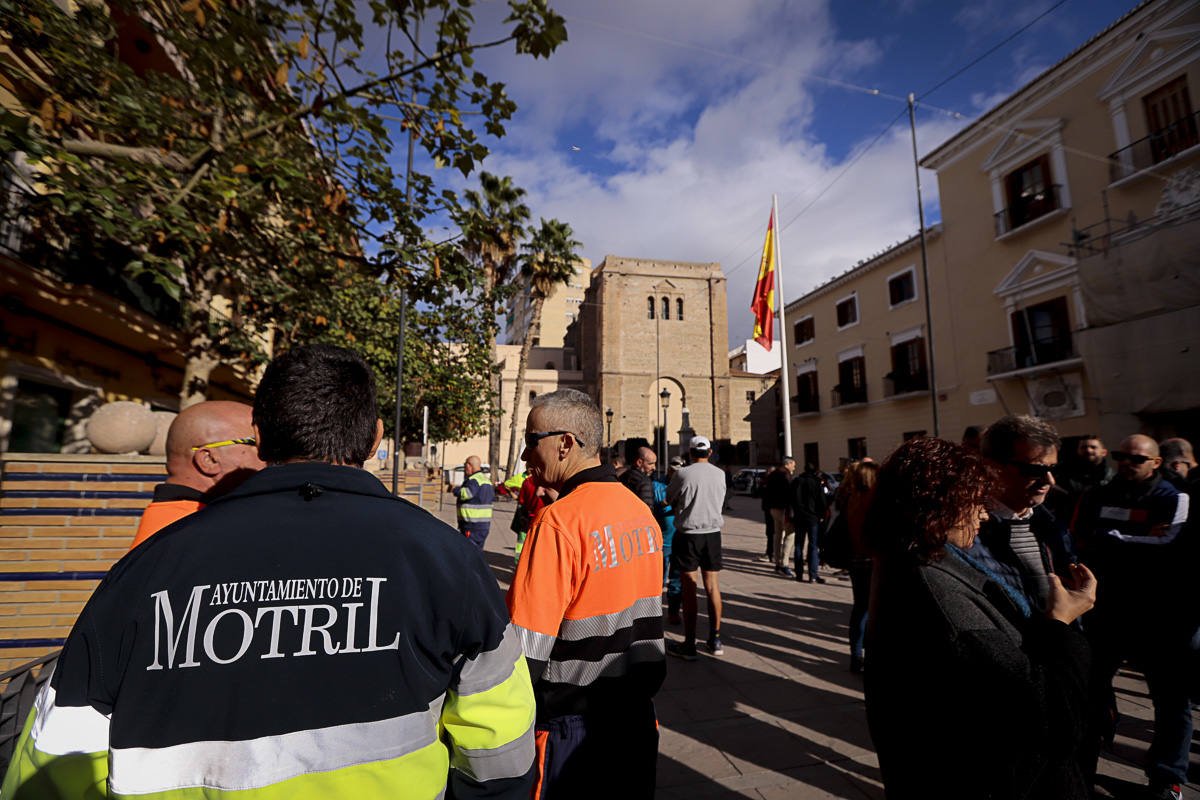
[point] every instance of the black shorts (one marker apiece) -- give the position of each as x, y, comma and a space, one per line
692, 550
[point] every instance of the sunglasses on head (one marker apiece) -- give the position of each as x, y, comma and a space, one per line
1136, 458
532, 439
227, 442
1040, 471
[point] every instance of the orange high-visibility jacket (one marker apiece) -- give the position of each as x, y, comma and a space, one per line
587, 599
172, 502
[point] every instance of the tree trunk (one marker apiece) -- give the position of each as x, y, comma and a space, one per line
493, 418
535, 330
200, 359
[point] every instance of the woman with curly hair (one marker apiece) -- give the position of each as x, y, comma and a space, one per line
970, 692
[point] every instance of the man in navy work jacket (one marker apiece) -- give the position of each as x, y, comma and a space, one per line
306, 636
474, 502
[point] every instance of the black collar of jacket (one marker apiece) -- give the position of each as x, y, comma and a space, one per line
310, 478
168, 492
601, 474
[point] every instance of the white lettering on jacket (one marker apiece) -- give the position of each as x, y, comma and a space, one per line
289, 629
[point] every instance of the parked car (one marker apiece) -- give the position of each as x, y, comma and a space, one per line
749, 481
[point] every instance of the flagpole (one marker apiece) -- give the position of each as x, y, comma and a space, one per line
783, 371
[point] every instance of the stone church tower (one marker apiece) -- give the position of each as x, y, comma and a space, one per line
647, 325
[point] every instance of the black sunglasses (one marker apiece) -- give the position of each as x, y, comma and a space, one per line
1136, 458
532, 439
1041, 472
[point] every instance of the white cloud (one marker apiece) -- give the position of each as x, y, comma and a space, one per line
684, 145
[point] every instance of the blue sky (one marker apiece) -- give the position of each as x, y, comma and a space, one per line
688, 115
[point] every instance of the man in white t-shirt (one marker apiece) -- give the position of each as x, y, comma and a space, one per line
697, 492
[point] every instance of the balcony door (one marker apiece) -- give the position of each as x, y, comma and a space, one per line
1169, 118
1042, 333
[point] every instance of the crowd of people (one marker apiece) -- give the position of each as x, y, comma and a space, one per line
284, 626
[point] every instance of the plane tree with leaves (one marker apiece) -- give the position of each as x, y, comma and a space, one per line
238, 156
550, 259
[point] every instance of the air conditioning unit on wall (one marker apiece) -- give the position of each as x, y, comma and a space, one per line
1056, 396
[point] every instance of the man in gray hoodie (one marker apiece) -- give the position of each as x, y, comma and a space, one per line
697, 492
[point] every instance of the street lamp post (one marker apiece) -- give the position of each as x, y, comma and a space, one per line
666, 401
608, 415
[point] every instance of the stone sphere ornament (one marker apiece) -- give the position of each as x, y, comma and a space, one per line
122, 427
163, 420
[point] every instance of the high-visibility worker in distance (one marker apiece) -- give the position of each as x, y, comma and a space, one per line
474, 502
586, 600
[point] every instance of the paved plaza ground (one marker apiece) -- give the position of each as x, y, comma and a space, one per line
780, 715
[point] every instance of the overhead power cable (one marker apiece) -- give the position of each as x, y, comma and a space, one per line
989, 51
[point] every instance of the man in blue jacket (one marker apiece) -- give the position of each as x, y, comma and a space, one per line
1133, 532
305, 636
474, 502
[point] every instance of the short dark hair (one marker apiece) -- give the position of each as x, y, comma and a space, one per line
974, 431
999, 442
924, 489
316, 403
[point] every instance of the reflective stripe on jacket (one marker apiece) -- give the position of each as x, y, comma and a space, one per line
474, 498
307, 636
586, 599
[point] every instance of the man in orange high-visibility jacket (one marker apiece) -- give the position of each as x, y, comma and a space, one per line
210, 450
587, 602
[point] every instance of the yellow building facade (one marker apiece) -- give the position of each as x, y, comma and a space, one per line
1036, 195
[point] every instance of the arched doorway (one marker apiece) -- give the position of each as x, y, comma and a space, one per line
674, 413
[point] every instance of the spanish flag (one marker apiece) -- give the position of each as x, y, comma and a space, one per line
763, 302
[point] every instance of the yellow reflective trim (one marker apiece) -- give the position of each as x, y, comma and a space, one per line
491, 719
471, 512
34, 775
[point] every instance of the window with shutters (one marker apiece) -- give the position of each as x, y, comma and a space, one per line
807, 399
804, 331
1170, 120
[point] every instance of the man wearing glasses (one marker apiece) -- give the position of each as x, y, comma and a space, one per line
210, 450
587, 602
1134, 538
1021, 541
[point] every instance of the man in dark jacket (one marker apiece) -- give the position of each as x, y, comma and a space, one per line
637, 478
306, 635
1133, 532
809, 507
1091, 468
776, 499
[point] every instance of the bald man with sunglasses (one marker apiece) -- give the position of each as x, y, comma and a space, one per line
210, 450
1133, 532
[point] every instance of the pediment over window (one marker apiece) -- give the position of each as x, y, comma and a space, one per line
1156, 53
1021, 142
665, 286
1037, 267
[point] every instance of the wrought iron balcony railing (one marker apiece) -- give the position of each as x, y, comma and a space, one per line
1158, 146
905, 384
1027, 209
844, 396
1041, 353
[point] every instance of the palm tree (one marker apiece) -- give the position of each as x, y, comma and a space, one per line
493, 224
550, 261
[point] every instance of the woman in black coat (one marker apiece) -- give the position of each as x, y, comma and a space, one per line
969, 693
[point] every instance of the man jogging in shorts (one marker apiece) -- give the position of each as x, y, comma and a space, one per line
696, 492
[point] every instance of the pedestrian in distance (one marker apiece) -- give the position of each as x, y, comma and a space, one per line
210, 450
306, 635
473, 502
587, 601
970, 691
809, 507
697, 492
777, 495
638, 478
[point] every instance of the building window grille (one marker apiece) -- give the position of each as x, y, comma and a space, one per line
649, 308
679, 308
666, 308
